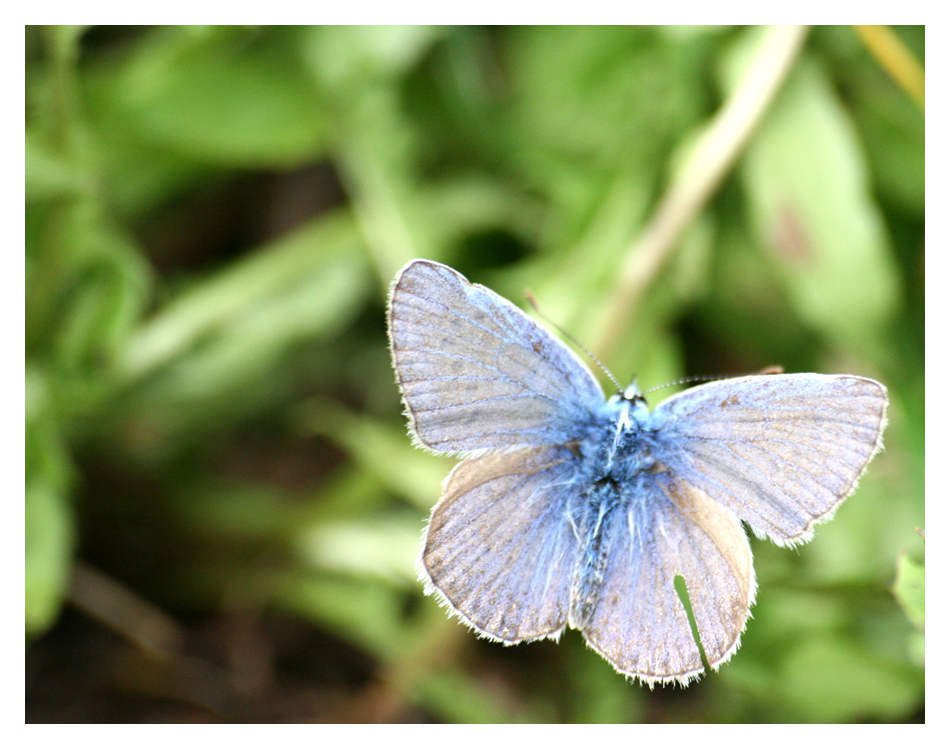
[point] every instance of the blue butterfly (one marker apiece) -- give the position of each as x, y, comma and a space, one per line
570, 510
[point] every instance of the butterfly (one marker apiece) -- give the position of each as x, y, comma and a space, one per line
572, 510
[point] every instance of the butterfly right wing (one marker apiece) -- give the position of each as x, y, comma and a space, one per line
476, 373
780, 451
500, 547
640, 625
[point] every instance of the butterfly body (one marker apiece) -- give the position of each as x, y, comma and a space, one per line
572, 510
611, 463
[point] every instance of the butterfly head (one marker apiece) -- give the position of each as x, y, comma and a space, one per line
631, 406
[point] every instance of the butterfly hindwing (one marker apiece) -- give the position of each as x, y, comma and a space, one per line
499, 547
640, 624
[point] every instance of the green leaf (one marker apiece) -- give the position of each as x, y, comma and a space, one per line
48, 175
810, 200
383, 451
227, 96
366, 612
909, 589
830, 680
383, 548
316, 273
49, 533
349, 59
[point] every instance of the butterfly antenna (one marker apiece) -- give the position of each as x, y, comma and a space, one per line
771, 370
572, 339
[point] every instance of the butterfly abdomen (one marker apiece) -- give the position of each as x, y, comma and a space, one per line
598, 513
616, 459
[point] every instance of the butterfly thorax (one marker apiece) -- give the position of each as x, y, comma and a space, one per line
613, 460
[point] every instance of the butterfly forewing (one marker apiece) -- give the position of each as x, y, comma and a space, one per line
478, 374
782, 451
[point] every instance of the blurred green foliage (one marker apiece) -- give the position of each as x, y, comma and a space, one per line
213, 215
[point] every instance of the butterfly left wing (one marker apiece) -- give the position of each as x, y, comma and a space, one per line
476, 373
781, 451
499, 548
640, 625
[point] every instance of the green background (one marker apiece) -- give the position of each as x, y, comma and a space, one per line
223, 509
